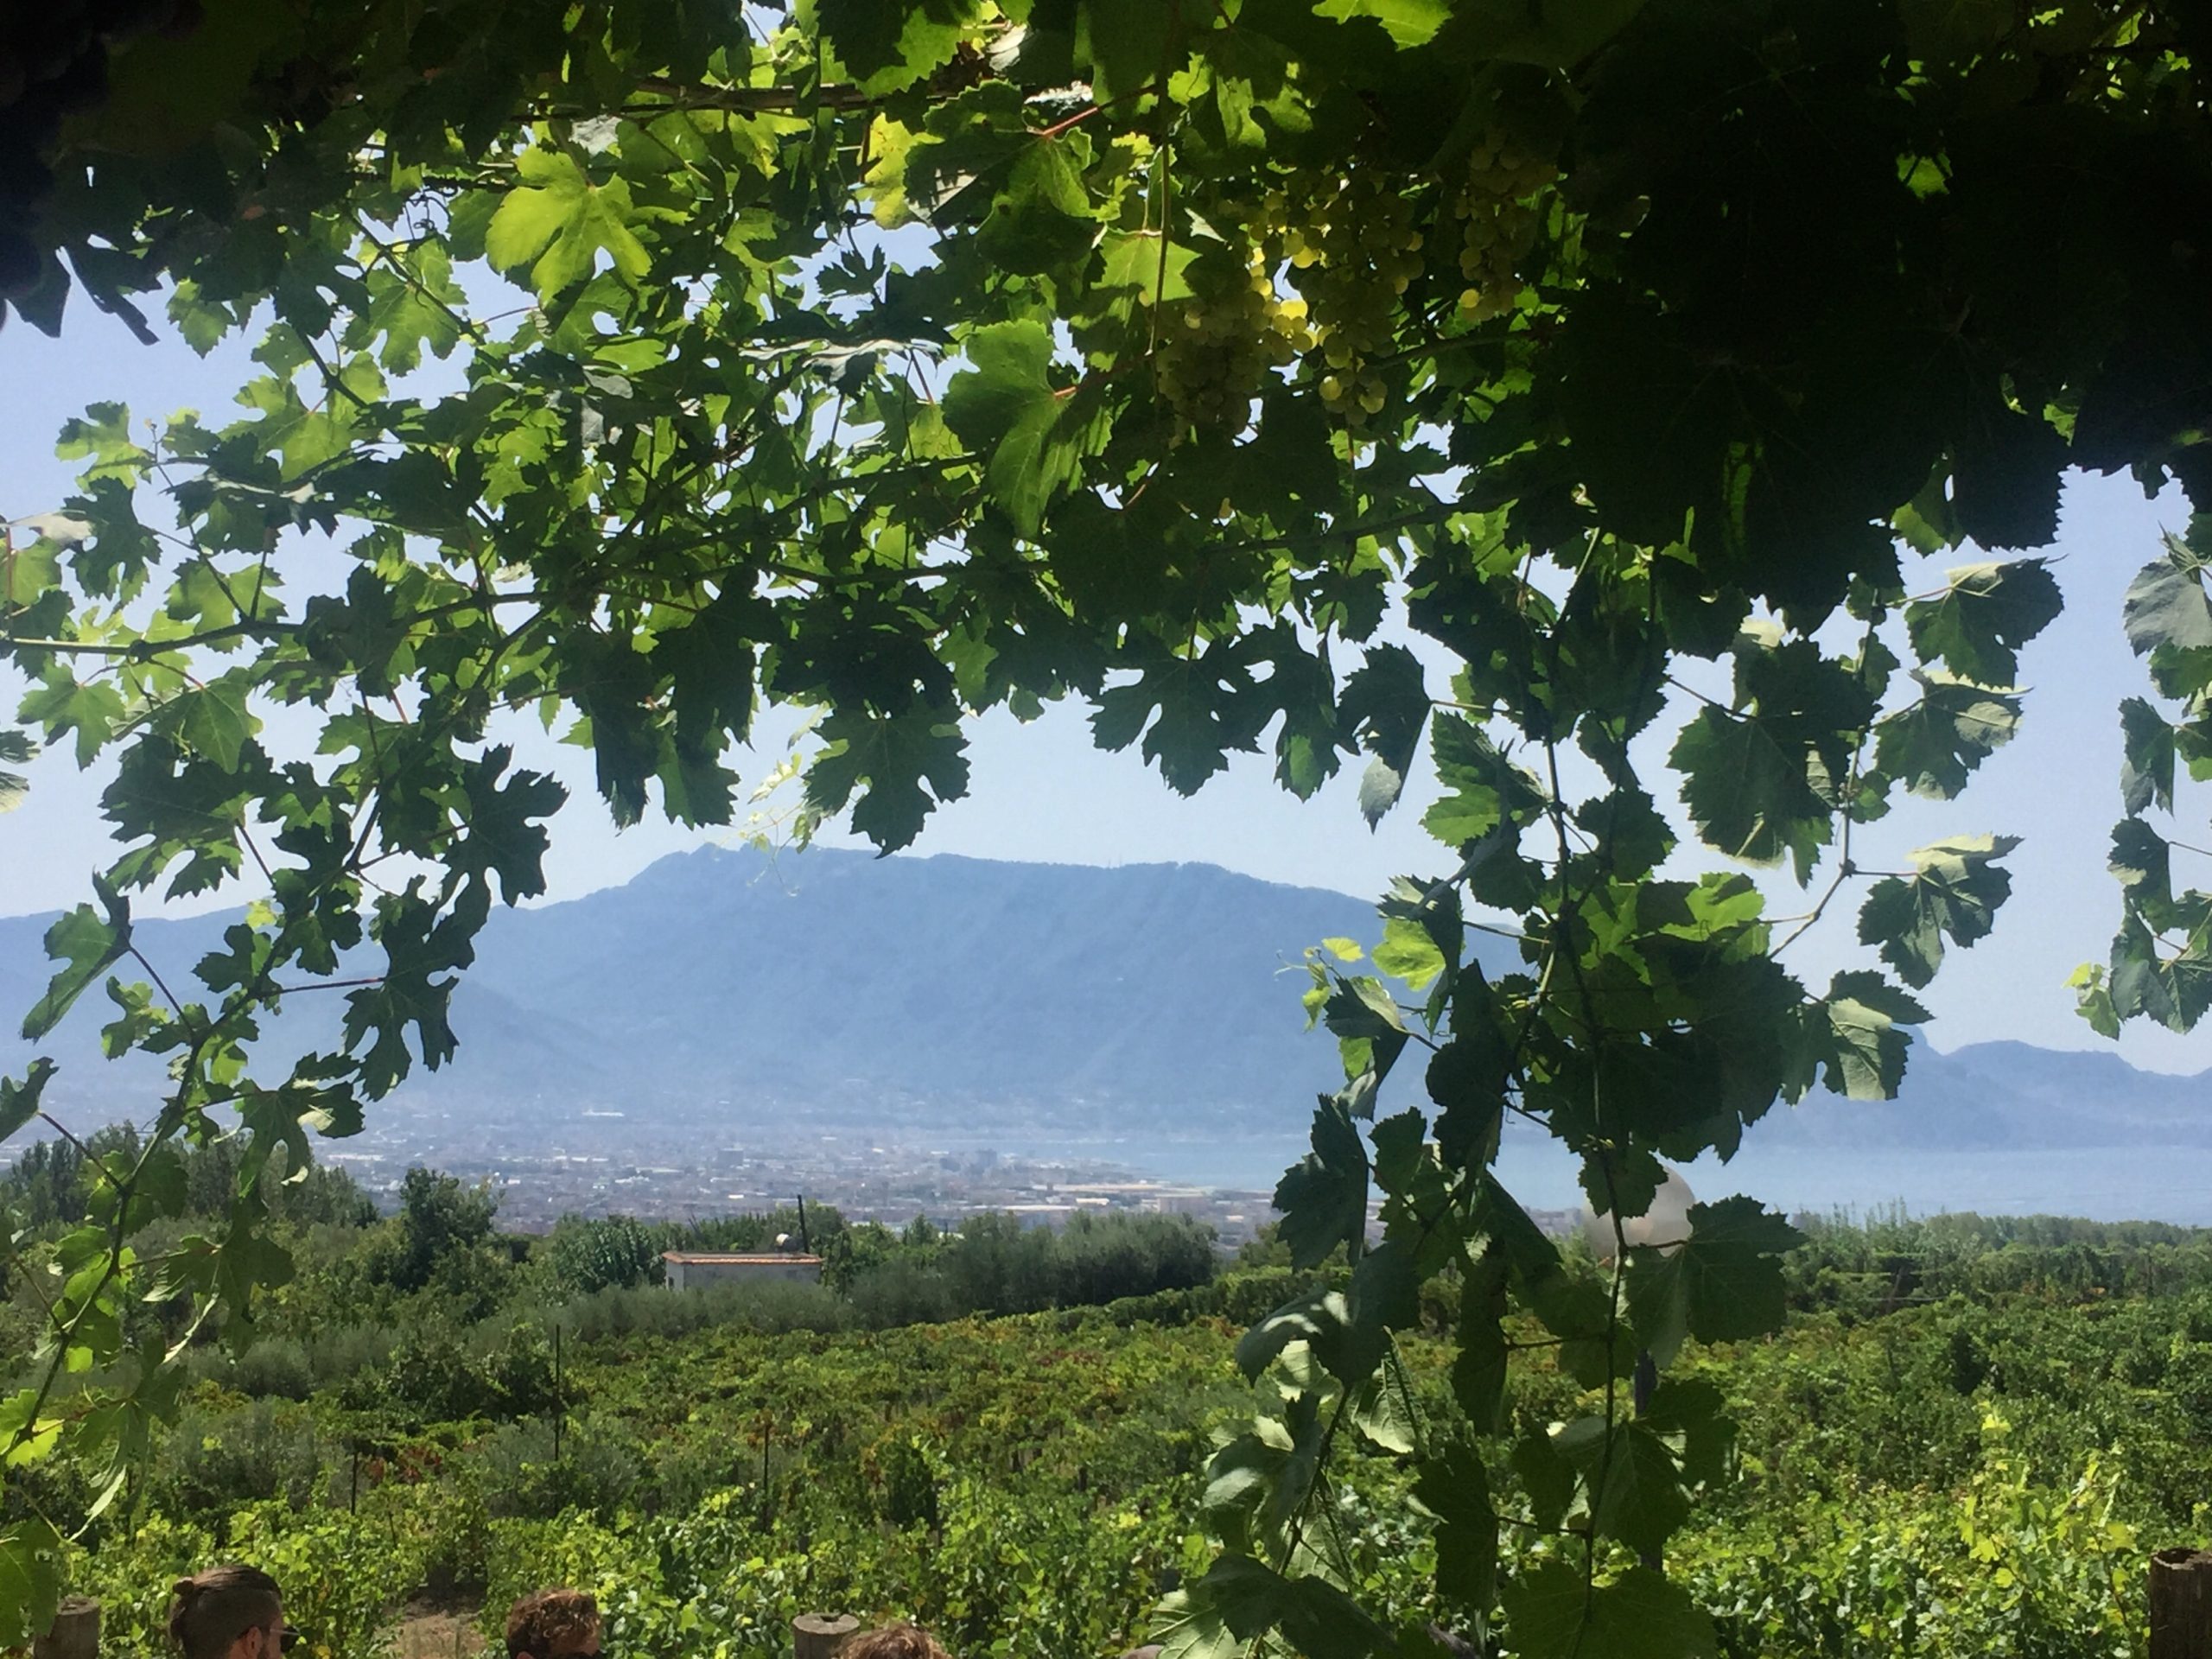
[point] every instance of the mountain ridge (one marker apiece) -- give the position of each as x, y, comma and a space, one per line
919, 988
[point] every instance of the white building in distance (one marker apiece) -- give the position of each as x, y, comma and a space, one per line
690, 1269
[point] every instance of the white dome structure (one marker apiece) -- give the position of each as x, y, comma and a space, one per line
1665, 1226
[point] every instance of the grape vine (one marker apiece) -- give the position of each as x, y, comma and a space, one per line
905, 362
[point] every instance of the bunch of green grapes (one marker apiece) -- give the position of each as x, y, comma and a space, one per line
1217, 348
1352, 244
1500, 204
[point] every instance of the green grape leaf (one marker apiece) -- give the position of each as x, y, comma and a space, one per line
1749, 794
1323, 1198
1932, 745
1950, 31
1551, 1614
2093, 999
1467, 1078
1138, 260
28, 574
558, 221
888, 45
1926, 523
1407, 952
1723, 1284
2165, 605
2146, 766
30, 1580
1385, 704
1319, 1618
1479, 1370
1236, 1603
1128, 45
1005, 403
1197, 721
102, 437
507, 834
1550, 37
1042, 220
1455, 1488
1983, 618
1383, 1410
2174, 989
1634, 1486
1857, 1039
2143, 862
894, 756
1691, 1415
1483, 788
1317, 1318
19, 1100
90, 941
215, 722
1955, 894
1546, 1477
62, 703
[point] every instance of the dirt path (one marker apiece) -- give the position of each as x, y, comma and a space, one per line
426, 1632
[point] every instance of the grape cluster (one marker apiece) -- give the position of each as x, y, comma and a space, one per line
1220, 346
1351, 242
53, 65
1499, 203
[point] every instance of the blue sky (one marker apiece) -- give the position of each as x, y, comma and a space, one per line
1042, 792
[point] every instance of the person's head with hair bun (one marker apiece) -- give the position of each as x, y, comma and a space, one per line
228, 1612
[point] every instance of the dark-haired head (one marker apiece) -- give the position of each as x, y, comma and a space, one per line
227, 1613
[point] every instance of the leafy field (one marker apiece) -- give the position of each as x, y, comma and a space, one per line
1966, 1441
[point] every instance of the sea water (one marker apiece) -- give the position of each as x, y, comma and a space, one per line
2149, 1183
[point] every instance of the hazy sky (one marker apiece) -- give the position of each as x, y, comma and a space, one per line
1042, 792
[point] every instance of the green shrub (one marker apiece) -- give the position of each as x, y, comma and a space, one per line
599, 1469
903, 1291
216, 1458
772, 1305
274, 1368
906, 1485
2006, 1566
611, 1252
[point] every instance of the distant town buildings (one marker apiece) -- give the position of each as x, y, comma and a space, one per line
711, 1158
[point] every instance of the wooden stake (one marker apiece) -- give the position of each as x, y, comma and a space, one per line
76, 1632
819, 1636
2181, 1605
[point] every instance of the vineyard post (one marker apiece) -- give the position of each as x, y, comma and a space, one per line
819, 1636
2181, 1605
560, 1401
76, 1632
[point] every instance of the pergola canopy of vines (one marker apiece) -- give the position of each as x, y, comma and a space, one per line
639, 363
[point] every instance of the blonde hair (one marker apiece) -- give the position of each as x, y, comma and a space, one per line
211, 1610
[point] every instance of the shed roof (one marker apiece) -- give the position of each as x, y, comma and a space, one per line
758, 1258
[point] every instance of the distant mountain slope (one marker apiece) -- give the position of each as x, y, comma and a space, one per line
918, 990
827, 973
832, 978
